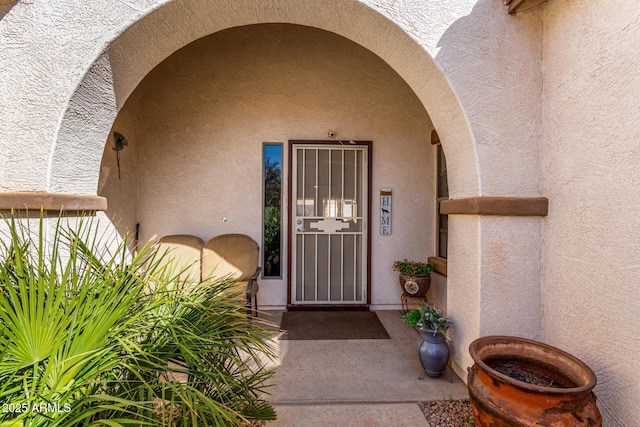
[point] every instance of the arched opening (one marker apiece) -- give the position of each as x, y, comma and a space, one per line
77, 149
76, 153
197, 123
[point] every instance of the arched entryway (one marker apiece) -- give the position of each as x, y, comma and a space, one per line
121, 46
132, 54
127, 62
196, 127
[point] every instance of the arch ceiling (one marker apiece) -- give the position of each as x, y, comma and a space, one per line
143, 38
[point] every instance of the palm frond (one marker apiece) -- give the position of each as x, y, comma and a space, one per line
106, 337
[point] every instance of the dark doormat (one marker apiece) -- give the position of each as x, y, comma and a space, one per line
331, 325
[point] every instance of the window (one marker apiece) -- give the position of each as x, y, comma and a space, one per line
442, 194
272, 210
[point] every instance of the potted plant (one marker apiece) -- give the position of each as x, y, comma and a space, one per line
520, 382
432, 347
415, 277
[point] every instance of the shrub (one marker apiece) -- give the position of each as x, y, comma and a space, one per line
92, 337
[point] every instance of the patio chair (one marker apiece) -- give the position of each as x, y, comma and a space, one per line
235, 255
185, 253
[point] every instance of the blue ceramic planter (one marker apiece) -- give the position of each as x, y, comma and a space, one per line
433, 352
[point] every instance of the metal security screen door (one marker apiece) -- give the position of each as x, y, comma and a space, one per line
329, 224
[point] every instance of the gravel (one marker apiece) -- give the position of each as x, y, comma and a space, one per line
448, 413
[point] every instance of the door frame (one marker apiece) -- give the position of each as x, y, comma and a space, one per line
290, 306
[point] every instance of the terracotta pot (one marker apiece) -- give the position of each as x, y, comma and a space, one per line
553, 388
415, 285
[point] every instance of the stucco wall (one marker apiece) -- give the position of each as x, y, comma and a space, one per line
205, 111
591, 297
514, 293
480, 57
437, 293
121, 187
463, 287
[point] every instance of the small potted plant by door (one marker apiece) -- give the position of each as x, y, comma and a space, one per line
415, 277
432, 347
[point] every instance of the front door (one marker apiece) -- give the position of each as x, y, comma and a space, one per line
329, 224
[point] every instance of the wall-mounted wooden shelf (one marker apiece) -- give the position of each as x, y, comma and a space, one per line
35, 201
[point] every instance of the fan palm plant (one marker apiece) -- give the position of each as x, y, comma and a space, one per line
90, 336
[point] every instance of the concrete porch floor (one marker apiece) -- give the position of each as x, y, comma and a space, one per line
356, 382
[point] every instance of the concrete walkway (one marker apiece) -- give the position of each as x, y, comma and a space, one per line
356, 382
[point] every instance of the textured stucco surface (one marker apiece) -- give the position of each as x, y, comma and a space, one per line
463, 287
199, 119
541, 103
121, 187
591, 297
437, 293
500, 294
86, 84
510, 255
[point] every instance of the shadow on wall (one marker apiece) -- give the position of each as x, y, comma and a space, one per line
494, 74
5, 7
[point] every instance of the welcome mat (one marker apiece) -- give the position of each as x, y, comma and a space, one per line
331, 325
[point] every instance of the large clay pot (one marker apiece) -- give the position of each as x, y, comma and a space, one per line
520, 382
433, 352
415, 285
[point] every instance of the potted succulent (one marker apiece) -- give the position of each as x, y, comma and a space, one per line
432, 347
415, 277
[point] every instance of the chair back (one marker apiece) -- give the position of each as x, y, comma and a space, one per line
230, 254
184, 252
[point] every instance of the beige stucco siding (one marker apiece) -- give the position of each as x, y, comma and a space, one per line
119, 184
107, 47
591, 297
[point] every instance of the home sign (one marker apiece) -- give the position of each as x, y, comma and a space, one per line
385, 211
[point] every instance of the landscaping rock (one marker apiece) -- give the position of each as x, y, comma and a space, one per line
448, 413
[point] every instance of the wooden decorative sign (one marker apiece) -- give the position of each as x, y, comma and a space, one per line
385, 211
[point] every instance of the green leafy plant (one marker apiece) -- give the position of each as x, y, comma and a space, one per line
92, 336
412, 267
272, 233
428, 317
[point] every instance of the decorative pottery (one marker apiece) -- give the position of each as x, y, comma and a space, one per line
433, 352
521, 382
415, 285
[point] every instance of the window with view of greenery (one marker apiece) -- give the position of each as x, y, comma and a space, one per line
272, 212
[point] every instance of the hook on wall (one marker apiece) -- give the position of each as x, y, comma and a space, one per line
119, 143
